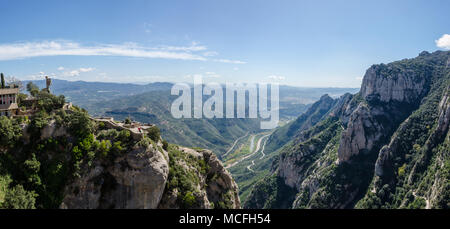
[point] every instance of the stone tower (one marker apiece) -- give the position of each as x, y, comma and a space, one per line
48, 82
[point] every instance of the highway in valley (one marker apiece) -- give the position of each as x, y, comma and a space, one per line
258, 146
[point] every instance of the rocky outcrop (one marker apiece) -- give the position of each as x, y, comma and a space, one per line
444, 113
223, 181
388, 95
362, 133
215, 188
138, 180
52, 130
291, 170
135, 180
388, 83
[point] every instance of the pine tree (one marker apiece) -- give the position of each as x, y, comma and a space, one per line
3, 80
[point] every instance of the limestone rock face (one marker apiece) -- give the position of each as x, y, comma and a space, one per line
224, 180
362, 132
444, 112
84, 193
388, 94
52, 130
214, 186
135, 180
387, 83
290, 171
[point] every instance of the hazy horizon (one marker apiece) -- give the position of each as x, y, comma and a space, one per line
146, 83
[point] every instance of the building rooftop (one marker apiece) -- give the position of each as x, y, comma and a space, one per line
7, 91
8, 106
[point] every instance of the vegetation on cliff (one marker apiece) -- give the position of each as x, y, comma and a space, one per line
58, 146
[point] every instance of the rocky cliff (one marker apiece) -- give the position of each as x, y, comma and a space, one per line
134, 180
140, 180
199, 180
143, 178
65, 159
386, 146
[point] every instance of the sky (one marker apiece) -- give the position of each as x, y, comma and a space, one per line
300, 43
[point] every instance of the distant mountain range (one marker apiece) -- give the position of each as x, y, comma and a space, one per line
150, 103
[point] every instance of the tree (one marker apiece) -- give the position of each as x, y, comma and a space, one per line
3, 80
80, 124
189, 199
31, 170
154, 133
20, 98
19, 198
165, 145
127, 120
9, 132
32, 89
49, 102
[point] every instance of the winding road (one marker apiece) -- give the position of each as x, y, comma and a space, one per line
234, 144
262, 152
258, 146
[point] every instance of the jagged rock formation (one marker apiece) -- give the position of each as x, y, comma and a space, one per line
387, 146
214, 186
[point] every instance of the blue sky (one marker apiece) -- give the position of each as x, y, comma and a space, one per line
301, 43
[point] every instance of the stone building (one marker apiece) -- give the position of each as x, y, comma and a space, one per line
8, 98
8, 101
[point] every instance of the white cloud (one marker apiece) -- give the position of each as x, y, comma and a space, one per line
77, 72
72, 73
230, 61
212, 53
65, 48
212, 74
86, 69
36, 76
444, 42
194, 47
13, 51
275, 77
